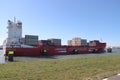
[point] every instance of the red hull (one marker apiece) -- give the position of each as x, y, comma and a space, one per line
57, 50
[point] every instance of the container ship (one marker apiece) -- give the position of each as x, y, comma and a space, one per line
31, 46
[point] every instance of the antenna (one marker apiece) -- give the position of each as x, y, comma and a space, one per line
14, 20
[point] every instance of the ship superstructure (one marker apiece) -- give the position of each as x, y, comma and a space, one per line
14, 33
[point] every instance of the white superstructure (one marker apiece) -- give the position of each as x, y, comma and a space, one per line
14, 33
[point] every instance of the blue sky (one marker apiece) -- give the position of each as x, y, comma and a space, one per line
65, 19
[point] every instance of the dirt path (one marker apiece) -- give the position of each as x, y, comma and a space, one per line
116, 77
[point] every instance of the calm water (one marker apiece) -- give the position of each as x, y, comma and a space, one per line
0, 51
116, 50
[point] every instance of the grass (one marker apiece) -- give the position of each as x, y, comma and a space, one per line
95, 68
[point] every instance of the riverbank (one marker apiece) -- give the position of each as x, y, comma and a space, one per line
78, 68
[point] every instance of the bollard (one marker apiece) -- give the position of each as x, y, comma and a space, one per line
10, 55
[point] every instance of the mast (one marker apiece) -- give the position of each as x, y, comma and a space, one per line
14, 19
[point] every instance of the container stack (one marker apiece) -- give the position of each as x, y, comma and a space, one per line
77, 42
31, 39
56, 42
94, 43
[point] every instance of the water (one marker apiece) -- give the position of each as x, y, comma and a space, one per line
116, 51
0, 51
2, 57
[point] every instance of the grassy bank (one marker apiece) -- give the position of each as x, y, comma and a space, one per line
65, 69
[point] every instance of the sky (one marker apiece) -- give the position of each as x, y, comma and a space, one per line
64, 19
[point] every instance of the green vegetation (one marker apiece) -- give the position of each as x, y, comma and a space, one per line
95, 67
